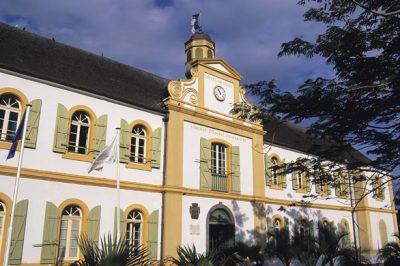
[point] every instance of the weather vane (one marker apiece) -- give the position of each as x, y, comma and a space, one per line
195, 23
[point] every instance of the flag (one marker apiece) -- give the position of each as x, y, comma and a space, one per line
195, 23
107, 155
17, 136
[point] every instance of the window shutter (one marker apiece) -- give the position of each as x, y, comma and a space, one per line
267, 170
122, 222
318, 187
205, 164
152, 243
329, 187
235, 169
18, 232
295, 182
50, 234
156, 148
61, 132
93, 225
33, 124
336, 178
283, 174
308, 182
100, 135
124, 142
311, 226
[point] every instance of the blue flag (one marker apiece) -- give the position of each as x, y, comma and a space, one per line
17, 136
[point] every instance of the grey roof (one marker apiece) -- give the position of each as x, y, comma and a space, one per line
199, 36
43, 58
285, 134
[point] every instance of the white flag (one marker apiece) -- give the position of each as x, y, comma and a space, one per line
107, 155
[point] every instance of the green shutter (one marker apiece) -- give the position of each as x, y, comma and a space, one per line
205, 164
124, 142
267, 171
336, 178
156, 148
152, 243
61, 132
382, 192
100, 135
318, 187
283, 174
295, 182
308, 182
122, 222
311, 226
50, 234
329, 187
18, 232
235, 168
33, 124
93, 225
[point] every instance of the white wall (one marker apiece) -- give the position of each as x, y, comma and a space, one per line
191, 155
43, 157
38, 192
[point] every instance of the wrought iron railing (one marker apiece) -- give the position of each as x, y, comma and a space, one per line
219, 182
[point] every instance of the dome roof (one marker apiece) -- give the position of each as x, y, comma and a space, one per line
199, 36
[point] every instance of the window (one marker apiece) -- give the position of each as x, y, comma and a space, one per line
377, 187
134, 228
138, 144
219, 166
342, 186
304, 229
199, 53
189, 56
277, 223
79, 133
70, 229
209, 53
2, 221
383, 232
10, 111
274, 174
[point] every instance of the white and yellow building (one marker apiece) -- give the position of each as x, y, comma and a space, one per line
191, 173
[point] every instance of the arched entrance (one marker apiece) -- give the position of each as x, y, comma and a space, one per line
220, 228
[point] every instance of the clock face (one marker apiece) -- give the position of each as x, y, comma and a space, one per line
219, 93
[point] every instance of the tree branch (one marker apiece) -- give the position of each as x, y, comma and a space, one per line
384, 14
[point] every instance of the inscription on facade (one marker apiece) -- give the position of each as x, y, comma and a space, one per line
218, 80
217, 133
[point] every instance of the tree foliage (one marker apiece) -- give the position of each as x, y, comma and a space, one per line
360, 105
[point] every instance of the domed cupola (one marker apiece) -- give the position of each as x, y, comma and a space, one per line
200, 45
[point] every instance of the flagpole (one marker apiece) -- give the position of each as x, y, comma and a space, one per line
118, 187
16, 186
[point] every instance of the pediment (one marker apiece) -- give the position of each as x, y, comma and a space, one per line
220, 65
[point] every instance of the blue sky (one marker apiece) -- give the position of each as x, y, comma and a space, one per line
150, 34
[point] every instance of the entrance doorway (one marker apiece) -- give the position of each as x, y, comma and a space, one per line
221, 229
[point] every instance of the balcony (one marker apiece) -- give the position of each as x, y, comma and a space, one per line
219, 182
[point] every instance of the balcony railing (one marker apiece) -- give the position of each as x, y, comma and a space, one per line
219, 182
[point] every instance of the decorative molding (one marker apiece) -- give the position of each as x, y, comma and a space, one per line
179, 89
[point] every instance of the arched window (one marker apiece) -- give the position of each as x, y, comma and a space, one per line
79, 133
189, 56
219, 166
199, 53
10, 111
209, 53
274, 171
383, 232
134, 228
2, 221
378, 188
278, 223
138, 144
304, 229
70, 229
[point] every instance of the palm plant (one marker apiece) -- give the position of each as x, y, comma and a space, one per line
390, 253
188, 256
279, 246
111, 252
330, 251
